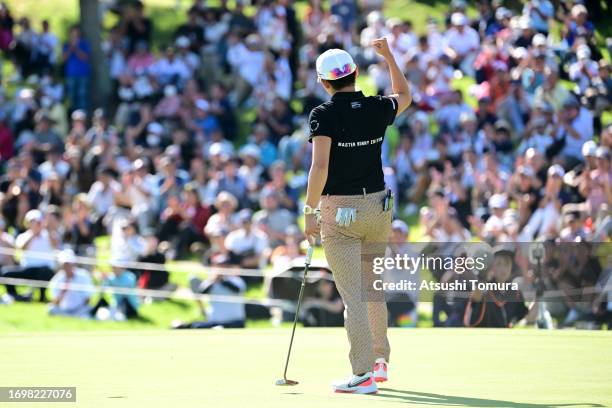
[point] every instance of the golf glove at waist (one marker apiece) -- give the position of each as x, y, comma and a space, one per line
346, 216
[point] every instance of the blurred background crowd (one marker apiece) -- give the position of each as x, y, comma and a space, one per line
202, 152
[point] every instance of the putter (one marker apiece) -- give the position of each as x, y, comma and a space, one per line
284, 380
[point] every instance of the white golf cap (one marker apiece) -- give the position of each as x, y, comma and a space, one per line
556, 170
589, 148
538, 40
335, 64
33, 215
155, 128
526, 171
583, 52
66, 256
400, 226
458, 19
202, 104
182, 42
251, 150
498, 201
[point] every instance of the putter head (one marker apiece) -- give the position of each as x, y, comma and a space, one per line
284, 381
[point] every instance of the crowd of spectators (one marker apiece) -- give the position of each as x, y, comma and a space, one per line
203, 150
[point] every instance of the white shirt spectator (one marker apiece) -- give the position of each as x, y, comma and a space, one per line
462, 43
102, 199
240, 241
249, 64
583, 124
226, 311
164, 69
400, 46
41, 247
74, 299
577, 74
191, 60
46, 44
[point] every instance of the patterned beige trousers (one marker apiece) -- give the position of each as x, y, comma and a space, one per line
365, 309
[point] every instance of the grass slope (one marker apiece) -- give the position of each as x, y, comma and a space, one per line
461, 368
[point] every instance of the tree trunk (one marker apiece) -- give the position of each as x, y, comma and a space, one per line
91, 26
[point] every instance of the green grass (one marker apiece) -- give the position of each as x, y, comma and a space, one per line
230, 368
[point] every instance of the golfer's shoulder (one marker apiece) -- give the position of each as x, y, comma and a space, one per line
382, 100
323, 110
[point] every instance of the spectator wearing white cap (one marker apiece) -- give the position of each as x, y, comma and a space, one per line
575, 127
539, 44
251, 169
589, 148
462, 43
204, 122
71, 288
247, 60
36, 261
545, 221
183, 52
247, 246
494, 226
101, 193
578, 25
222, 222
584, 72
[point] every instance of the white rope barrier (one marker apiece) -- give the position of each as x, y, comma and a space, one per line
185, 295
285, 304
153, 293
148, 266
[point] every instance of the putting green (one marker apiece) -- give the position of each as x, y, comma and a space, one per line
238, 368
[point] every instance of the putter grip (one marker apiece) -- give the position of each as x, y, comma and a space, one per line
309, 255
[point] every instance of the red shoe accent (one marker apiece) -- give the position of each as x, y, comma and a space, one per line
365, 384
380, 379
378, 365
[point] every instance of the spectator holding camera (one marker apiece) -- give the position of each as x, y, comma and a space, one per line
37, 242
496, 308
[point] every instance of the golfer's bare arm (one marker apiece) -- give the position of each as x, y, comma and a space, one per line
321, 146
399, 85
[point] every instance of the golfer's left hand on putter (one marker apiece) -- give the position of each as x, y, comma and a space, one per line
346, 216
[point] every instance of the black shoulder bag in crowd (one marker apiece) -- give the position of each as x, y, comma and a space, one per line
556, 146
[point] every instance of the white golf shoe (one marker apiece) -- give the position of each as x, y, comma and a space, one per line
380, 370
357, 384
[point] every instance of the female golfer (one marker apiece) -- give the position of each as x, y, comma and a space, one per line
348, 204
